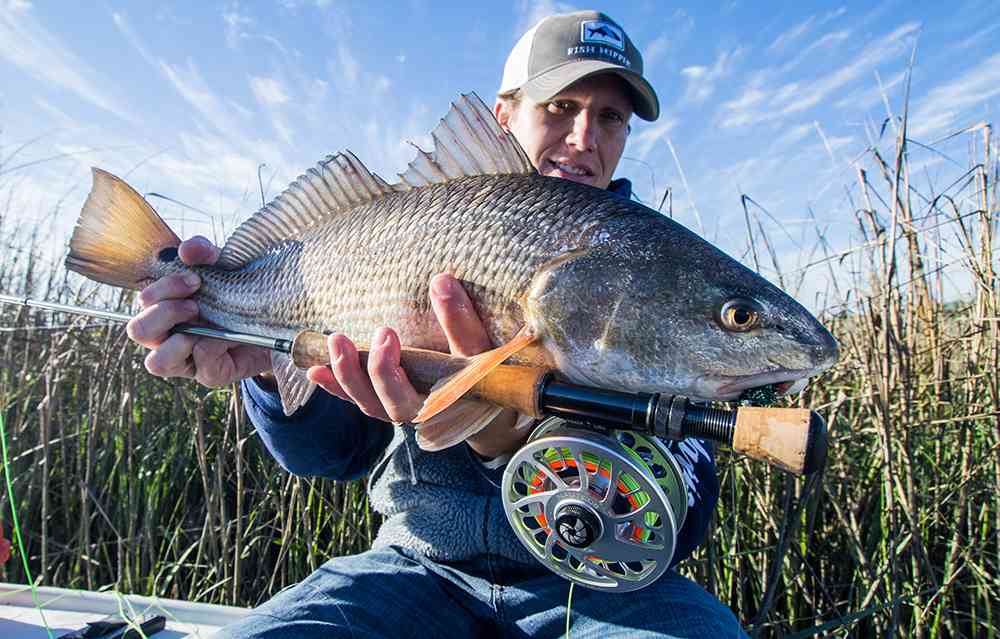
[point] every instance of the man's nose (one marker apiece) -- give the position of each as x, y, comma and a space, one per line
584, 133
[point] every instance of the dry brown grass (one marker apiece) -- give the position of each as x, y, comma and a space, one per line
127, 481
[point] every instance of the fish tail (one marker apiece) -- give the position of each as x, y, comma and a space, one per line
119, 238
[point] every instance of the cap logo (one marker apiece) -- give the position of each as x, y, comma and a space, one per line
601, 32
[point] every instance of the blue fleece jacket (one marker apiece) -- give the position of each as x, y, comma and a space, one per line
445, 504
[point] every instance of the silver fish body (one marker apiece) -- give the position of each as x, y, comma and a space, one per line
615, 294
621, 296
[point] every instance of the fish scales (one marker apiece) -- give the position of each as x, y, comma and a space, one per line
369, 267
604, 289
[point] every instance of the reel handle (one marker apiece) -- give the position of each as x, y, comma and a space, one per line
517, 387
793, 439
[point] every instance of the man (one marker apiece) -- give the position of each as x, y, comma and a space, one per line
446, 563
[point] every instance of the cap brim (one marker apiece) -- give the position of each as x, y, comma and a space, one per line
546, 85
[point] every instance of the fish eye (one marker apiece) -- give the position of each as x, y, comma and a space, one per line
739, 315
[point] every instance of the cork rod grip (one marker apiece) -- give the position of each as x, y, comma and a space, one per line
790, 438
516, 387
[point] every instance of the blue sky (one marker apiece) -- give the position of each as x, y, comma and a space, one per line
187, 99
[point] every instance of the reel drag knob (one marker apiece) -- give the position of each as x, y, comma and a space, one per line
600, 510
578, 525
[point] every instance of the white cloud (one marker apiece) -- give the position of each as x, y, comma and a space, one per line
656, 48
978, 36
791, 136
236, 24
349, 69
268, 91
782, 101
60, 116
130, 35
530, 12
196, 92
27, 45
792, 34
947, 103
240, 109
882, 51
17, 5
701, 80
283, 129
826, 42
867, 97
294, 5
645, 141
741, 111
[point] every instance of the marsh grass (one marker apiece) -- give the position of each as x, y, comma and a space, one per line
126, 481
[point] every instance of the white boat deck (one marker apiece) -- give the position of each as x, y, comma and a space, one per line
62, 611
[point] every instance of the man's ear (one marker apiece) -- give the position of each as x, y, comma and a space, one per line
502, 112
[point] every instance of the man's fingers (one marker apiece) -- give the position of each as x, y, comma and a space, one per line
249, 360
355, 382
323, 377
212, 362
171, 359
198, 250
172, 287
399, 399
152, 326
457, 316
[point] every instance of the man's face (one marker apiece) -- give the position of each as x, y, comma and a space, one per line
579, 134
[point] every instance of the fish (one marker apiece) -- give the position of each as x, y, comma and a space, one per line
602, 289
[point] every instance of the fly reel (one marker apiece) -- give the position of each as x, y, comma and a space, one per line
602, 510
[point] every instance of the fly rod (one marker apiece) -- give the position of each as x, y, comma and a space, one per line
793, 439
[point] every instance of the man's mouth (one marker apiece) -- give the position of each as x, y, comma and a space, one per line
569, 169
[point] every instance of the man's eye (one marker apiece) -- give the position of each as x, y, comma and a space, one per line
615, 117
559, 106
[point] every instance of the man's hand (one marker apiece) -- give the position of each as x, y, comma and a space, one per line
384, 392
166, 303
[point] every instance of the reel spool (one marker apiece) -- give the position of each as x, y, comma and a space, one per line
602, 510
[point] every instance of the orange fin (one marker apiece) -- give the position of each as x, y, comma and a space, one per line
447, 391
458, 422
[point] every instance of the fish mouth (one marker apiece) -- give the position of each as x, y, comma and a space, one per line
785, 382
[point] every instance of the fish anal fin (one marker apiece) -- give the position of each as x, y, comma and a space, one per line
448, 390
293, 385
461, 420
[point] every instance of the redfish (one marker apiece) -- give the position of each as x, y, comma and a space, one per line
608, 292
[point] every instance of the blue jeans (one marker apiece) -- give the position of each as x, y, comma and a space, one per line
394, 592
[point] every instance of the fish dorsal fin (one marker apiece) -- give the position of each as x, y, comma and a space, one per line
468, 141
338, 183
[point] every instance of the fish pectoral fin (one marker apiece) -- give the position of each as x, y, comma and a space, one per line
449, 389
293, 385
463, 419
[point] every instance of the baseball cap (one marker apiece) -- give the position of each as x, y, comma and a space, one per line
564, 48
